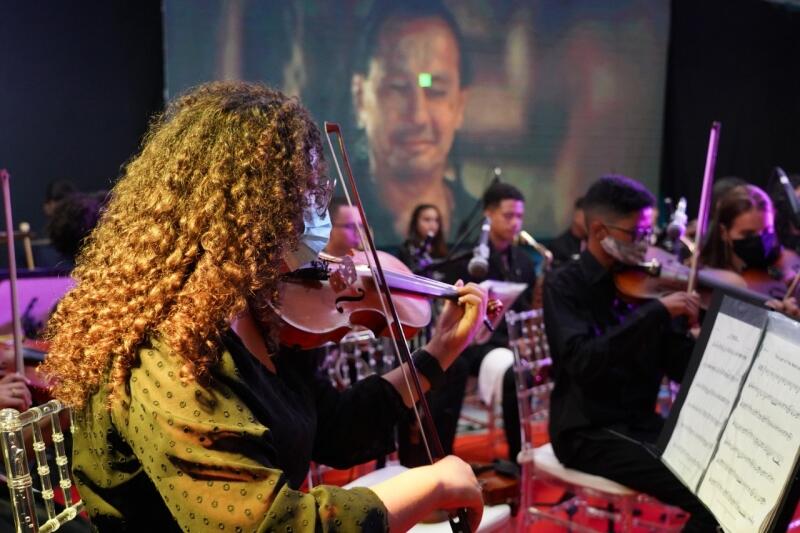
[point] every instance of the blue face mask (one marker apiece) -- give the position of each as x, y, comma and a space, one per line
314, 238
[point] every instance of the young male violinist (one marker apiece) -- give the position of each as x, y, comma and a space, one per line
609, 355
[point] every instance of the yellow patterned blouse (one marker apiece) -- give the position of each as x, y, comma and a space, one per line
173, 455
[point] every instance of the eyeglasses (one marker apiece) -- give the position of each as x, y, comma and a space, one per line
323, 194
637, 234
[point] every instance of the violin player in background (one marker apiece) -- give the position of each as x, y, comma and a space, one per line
610, 355
425, 241
741, 233
345, 221
189, 415
742, 239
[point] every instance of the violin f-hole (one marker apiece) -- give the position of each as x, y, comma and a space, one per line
355, 298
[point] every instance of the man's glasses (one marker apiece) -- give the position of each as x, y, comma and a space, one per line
323, 194
637, 234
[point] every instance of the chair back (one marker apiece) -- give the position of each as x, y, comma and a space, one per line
528, 342
13, 428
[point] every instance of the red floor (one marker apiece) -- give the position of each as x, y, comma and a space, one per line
480, 448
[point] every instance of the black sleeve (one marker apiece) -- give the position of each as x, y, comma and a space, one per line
585, 353
355, 425
404, 255
528, 267
676, 352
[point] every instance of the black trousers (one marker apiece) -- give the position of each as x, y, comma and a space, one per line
631, 459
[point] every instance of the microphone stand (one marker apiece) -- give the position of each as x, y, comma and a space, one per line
464, 234
476, 207
436, 263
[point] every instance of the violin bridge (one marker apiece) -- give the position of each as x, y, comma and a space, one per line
344, 276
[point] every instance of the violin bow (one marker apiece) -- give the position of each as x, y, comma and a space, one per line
12, 273
705, 201
430, 437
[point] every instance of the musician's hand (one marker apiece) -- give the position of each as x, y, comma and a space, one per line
460, 489
14, 392
682, 304
788, 307
7, 360
458, 323
413, 495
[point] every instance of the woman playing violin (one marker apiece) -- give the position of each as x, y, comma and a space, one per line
189, 416
742, 239
742, 232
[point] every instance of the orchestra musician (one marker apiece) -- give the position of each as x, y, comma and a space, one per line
345, 221
189, 415
742, 231
742, 239
609, 355
569, 245
504, 205
425, 241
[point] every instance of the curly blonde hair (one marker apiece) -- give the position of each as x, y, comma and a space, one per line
193, 234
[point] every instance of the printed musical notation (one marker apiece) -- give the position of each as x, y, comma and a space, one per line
758, 449
708, 404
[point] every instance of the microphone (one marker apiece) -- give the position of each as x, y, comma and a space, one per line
498, 172
791, 197
677, 224
426, 246
478, 266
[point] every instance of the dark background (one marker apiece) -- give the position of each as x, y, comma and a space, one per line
79, 81
735, 61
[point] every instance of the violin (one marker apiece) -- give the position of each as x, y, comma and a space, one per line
661, 274
776, 279
325, 301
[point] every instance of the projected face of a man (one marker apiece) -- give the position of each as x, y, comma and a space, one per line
411, 102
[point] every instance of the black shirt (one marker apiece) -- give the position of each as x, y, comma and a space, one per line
608, 356
512, 265
565, 248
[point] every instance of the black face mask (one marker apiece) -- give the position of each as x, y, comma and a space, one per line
757, 251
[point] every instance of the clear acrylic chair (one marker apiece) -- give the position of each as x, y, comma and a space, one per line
14, 426
591, 503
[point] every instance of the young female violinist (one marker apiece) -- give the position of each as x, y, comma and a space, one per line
189, 416
425, 240
742, 239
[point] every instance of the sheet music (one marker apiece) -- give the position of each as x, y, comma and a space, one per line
713, 392
758, 448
